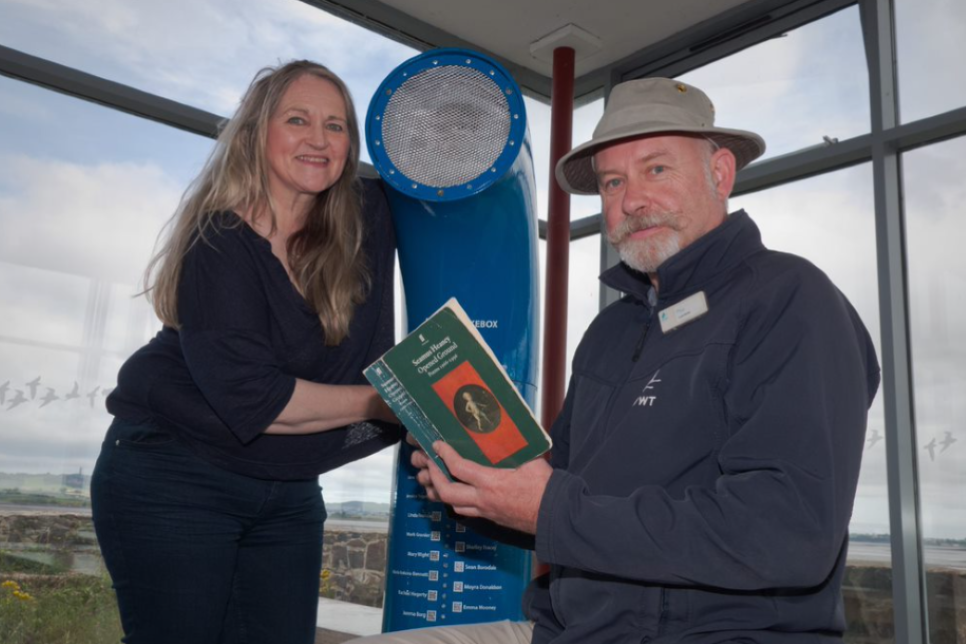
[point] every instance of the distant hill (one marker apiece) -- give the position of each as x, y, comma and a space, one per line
357, 509
70, 489
51, 484
930, 541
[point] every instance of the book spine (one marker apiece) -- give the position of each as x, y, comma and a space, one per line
407, 411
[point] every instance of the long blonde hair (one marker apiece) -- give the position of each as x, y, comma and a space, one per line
325, 256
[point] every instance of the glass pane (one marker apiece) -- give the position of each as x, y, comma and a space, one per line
357, 500
83, 193
584, 121
800, 90
935, 232
830, 220
583, 287
538, 124
199, 52
931, 45
583, 293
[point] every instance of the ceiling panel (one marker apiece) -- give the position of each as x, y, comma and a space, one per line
616, 34
508, 28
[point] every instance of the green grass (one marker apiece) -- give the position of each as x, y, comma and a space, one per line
17, 497
60, 609
18, 563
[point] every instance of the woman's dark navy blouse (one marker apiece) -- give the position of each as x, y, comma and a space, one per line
246, 335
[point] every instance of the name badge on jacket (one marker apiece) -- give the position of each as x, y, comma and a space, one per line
687, 310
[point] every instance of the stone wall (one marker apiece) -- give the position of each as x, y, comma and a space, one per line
354, 567
946, 590
867, 592
53, 530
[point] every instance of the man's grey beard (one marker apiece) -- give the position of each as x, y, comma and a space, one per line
645, 255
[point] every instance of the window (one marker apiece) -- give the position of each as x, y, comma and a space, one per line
585, 120
830, 221
202, 54
930, 51
583, 300
935, 232
583, 288
83, 193
806, 88
583, 292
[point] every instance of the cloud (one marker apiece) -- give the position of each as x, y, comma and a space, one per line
829, 220
369, 479
929, 57
65, 432
21, 109
42, 305
99, 220
794, 90
219, 45
78, 237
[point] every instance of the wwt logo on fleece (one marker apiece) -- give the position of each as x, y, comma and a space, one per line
646, 400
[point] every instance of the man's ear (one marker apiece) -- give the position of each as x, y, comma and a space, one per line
723, 172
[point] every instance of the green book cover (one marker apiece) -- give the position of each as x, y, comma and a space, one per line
444, 383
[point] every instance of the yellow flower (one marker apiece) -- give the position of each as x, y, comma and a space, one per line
326, 574
22, 596
11, 584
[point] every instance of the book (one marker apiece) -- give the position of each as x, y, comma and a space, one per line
444, 383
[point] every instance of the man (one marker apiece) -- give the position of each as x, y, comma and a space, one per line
706, 458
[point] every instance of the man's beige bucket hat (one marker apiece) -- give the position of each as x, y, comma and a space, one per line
652, 106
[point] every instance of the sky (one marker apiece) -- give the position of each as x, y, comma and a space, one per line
85, 191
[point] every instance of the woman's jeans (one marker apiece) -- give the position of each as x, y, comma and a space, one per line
200, 555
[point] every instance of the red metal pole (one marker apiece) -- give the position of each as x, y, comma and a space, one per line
558, 239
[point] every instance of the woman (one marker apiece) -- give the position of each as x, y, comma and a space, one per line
275, 290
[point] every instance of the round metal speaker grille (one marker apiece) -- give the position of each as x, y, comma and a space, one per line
446, 126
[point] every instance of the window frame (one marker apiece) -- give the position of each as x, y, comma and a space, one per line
883, 146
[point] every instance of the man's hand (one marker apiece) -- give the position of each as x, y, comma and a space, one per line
510, 498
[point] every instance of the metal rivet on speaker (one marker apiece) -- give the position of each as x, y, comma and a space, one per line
492, 73
378, 142
439, 193
415, 185
436, 62
509, 90
469, 62
512, 143
388, 92
492, 169
469, 186
379, 116
391, 171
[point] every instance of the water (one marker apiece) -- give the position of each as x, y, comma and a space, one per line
881, 553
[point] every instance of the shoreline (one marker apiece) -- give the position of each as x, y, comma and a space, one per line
867, 554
